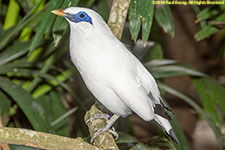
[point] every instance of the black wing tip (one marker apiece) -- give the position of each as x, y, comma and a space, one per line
173, 136
159, 110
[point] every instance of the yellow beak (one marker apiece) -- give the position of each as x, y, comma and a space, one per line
59, 12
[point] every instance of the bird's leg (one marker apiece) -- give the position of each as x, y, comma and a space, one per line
109, 124
106, 117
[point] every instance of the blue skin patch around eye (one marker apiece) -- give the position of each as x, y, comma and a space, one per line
79, 17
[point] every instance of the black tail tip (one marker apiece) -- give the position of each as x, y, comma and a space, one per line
173, 136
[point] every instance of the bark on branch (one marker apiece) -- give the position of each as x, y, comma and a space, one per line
117, 17
105, 140
42, 140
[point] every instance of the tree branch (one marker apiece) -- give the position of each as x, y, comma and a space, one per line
105, 140
42, 140
117, 17
3, 146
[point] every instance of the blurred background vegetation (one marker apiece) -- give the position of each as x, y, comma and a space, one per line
40, 89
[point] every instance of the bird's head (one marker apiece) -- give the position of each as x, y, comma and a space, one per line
82, 19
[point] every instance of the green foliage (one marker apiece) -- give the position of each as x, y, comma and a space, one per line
34, 70
205, 32
4, 108
141, 15
31, 80
164, 19
26, 103
211, 19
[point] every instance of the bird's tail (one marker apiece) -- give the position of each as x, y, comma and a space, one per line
165, 124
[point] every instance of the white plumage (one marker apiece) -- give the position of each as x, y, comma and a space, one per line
110, 71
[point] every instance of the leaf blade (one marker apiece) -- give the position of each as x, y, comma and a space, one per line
164, 19
26, 103
205, 32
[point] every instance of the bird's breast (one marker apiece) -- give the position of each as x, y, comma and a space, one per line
93, 64
101, 59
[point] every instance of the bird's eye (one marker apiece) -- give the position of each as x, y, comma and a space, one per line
81, 15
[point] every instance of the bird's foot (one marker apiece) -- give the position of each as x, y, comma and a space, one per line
106, 117
109, 123
99, 131
114, 133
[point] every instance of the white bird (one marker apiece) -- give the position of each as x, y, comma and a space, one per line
111, 72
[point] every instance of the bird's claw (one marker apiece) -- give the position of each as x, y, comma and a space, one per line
109, 122
114, 133
99, 131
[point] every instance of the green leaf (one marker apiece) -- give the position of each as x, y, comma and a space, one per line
43, 89
197, 11
211, 94
221, 17
54, 111
103, 9
48, 17
20, 63
141, 146
13, 52
196, 107
27, 32
161, 62
205, 32
222, 7
61, 24
134, 19
218, 92
89, 3
18, 72
147, 11
12, 14
11, 33
26, 103
64, 116
164, 19
61, 128
174, 70
5, 104
180, 135
18, 67
125, 138
204, 14
155, 52
138, 14
49, 62
35, 21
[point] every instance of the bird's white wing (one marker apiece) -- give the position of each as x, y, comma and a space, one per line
133, 95
159, 108
151, 88
149, 84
